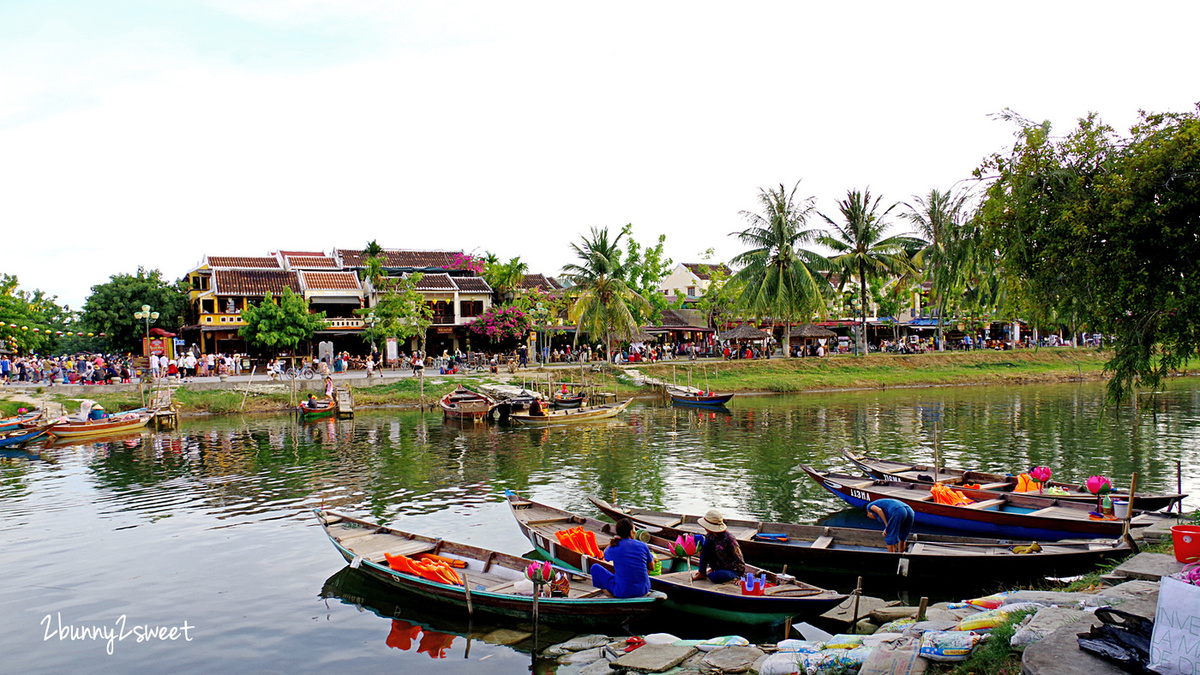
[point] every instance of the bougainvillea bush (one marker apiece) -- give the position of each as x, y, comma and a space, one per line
503, 327
466, 261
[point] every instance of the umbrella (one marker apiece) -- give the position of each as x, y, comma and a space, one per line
743, 332
809, 330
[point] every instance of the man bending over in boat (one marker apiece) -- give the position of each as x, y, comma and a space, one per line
632, 564
897, 519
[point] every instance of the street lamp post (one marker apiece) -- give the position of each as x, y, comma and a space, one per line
147, 316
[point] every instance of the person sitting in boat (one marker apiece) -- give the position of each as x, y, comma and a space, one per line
312, 401
96, 413
897, 519
632, 563
535, 408
720, 556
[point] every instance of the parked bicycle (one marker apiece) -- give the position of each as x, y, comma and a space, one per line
306, 372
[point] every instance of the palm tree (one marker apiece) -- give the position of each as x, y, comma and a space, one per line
861, 250
602, 306
779, 277
506, 277
939, 219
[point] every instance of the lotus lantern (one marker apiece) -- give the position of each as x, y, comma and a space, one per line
684, 546
1099, 485
1041, 473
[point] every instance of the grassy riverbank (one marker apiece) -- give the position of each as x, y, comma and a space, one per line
877, 371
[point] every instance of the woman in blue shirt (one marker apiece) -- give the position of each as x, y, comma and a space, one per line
632, 563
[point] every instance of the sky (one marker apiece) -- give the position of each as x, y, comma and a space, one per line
152, 132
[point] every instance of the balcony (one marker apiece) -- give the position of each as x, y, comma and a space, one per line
345, 323
222, 319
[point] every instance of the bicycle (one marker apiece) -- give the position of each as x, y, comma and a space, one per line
305, 372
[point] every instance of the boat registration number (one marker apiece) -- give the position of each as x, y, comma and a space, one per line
859, 494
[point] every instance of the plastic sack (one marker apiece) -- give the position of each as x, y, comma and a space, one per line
842, 641
948, 645
896, 626
660, 639
1123, 639
989, 601
782, 663
985, 621
801, 646
723, 641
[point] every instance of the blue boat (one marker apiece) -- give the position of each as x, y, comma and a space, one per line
19, 436
18, 421
1000, 515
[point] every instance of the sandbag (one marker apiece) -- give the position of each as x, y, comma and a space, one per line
985, 621
843, 641
989, 601
948, 646
723, 641
804, 646
895, 658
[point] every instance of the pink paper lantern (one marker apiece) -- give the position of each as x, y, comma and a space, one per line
1099, 485
1040, 473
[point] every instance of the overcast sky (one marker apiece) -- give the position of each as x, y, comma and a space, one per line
153, 132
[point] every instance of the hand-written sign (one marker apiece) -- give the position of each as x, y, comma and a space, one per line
1175, 645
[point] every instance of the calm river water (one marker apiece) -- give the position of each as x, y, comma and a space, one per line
209, 527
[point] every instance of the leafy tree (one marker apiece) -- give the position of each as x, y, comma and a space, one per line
505, 278
862, 251
942, 220
374, 271
1103, 228
30, 320
602, 306
400, 311
280, 326
502, 326
645, 268
110, 307
779, 277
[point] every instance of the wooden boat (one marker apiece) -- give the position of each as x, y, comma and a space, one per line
324, 408
19, 436
490, 575
109, 425
18, 421
923, 473
464, 404
712, 400
568, 401
724, 602
855, 551
996, 514
585, 413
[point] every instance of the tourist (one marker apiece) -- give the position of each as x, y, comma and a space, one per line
720, 557
632, 563
154, 366
328, 388
897, 519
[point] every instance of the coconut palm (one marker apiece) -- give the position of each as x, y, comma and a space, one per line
603, 304
861, 250
505, 278
939, 218
779, 277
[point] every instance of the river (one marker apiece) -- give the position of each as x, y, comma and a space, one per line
209, 529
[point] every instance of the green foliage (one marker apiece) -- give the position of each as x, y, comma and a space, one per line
604, 300
504, 278
645, 268
280, 326
995, 656
779, 277
400, 311
23, 311
1101, 229
952, 248
861, 249
110, 307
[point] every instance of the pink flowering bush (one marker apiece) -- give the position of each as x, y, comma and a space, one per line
465, 261
499, 324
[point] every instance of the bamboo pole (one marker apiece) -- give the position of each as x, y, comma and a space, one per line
857, 595
467, 588
247, 390
1129, 514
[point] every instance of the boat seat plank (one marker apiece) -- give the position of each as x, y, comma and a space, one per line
373, 549
668, 520
345, 531
502, 588
822, 542
548, 521
743, 533
994, 486
1061, 512
985, 504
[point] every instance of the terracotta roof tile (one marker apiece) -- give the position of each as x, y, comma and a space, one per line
436, 282
255, 283
472, 284
311, 262
308, 253
540, 281
672, 318
704, 271
330, 281
397, 259
261, 263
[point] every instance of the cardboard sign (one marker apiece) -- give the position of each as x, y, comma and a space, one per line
1175, 644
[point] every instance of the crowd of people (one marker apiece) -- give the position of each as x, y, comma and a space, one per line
78, 369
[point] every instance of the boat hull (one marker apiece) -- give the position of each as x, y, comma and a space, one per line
464, 404
582, 414
843, 551
19, 436
1062, 521
906, 473
716, 401
99, 428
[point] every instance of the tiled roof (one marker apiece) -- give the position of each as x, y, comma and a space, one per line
436, 282
308, 253
311, 262
255, 283
704, 271
263, 263
672, 318
540, 281
394, 258
330, 281
472, 284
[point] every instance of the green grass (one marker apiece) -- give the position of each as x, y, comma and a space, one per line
994, 656
10, 408
885, 370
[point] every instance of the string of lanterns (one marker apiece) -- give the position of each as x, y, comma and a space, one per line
48, 331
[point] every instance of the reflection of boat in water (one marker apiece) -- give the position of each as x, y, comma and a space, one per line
412, 626
496, 580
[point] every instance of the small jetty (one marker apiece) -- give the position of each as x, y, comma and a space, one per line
345, 401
